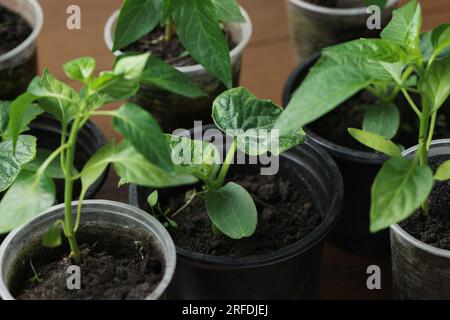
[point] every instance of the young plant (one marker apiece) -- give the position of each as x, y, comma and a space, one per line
197, 23
249, 122
402, 61
31, 189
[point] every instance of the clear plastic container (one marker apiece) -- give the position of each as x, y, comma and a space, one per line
94, 212
175, 111
421, 271
19, 66
315, 27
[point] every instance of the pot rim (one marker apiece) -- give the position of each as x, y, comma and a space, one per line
37, 28
296, 248
405, 235
168, 248
247, 31
337, 11
333, 148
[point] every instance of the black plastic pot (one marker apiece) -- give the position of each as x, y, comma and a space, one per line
290, 273
359, 169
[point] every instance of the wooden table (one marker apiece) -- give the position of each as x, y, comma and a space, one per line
267, 64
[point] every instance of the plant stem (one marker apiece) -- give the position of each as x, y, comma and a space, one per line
168, 31
68, 191
411, 103
431, 130
226, 165
423, 150
50, 159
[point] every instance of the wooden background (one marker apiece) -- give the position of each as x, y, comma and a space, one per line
268, 61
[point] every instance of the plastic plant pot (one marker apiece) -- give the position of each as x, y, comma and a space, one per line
314, 27
19, 66
359, 169
174, 111
292, 272
421, 271
15, 250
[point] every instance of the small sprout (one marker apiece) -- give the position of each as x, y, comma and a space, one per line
140, 248
36, 278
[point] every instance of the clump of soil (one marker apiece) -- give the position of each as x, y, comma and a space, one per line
14, 30
173, 52
286, 215
116, 265
338, 3
433, 229
334, 125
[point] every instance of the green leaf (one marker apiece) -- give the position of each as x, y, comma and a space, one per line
27, 198
17, 111
443, 172
4, 116
228, 11
53, 171
95, 167
131, 66
395, 70
232, 211
366, 56
166, 11
325, 88
435, 86
382, 119
153, 198
440, 37
11, 163
142, 130
404, 28
52, 238
55, 97
240, 114
376, 142
194, 156
380, 3
399, 189
164, 76
80, 69
134, 168
136, 19
199, 31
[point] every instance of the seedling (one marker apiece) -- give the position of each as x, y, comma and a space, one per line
31, 189
402, 61
197, 23
249, 121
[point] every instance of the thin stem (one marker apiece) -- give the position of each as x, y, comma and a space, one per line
431, 130
411, 103
104, 113
168, 31
187, 204
50, 159
422, 150
80, 205
226, 165
63, 142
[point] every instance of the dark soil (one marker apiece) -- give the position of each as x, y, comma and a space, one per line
117, 264
286, 215
13, 30
433, 229
334, 125
338, 3
171, 51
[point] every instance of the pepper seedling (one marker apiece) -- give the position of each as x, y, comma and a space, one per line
249, 122
142, 157
402, 61
197, 23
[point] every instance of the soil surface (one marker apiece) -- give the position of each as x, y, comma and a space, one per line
338, 3
13, 30
173, 52
117, 264
433, 229
286, 215
333, 126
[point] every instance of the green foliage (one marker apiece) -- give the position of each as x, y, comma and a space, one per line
197, 25
402, 61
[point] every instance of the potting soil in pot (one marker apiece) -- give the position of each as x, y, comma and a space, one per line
433, 229
286, 215
334, 126
117, 264
171, 51
13, 30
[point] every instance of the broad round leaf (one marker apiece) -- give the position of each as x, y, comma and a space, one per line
232, 211
443, 172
